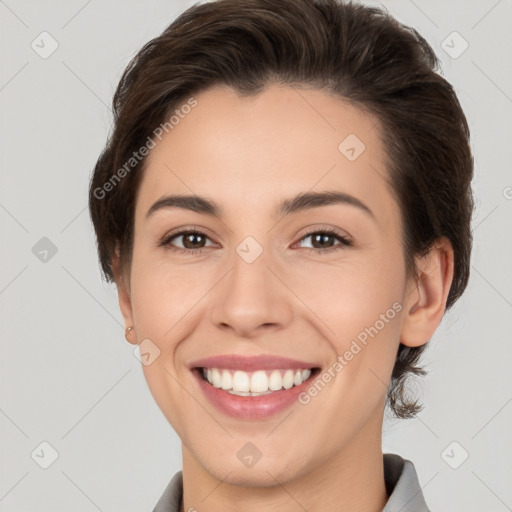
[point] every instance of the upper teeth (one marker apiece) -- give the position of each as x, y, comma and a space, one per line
260, 382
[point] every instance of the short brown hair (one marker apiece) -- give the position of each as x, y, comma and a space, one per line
359, 53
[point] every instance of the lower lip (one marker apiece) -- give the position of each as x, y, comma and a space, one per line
252, 407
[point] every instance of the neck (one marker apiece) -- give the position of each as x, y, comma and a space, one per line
350, 480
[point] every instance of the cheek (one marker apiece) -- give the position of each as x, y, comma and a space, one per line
358, 303
166, 297
351, 294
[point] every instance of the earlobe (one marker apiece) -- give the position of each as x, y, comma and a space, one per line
124, 298
425, 302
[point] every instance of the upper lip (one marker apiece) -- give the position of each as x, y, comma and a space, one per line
251, 363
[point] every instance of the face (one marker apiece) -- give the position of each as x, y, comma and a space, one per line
321, 283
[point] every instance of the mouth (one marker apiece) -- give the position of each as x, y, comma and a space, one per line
253, 388
256, 383
253, 395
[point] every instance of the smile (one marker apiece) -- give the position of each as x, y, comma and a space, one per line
257, 383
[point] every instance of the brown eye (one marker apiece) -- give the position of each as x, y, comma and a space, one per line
191, 241
320, 240
325, 240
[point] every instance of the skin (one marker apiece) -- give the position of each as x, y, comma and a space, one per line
291, 301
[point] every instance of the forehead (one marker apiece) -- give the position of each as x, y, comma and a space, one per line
283, 141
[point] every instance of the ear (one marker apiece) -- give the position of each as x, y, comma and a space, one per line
425, 302
124, 297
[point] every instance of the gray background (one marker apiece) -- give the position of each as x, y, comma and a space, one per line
68, 377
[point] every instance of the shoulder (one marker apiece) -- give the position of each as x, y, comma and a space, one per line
402, 485
170, 501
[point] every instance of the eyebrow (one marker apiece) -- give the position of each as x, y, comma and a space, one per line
300, 202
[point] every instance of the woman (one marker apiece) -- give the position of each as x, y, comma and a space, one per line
284, 205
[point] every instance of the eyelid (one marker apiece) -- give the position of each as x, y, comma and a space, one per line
187, 229
327, 229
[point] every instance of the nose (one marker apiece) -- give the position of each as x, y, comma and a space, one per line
252, 298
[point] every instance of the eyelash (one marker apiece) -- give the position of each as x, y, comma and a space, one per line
166, 241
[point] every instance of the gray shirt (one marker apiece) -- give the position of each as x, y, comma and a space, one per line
402, 486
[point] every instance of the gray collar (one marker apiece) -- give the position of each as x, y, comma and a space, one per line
403, 488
